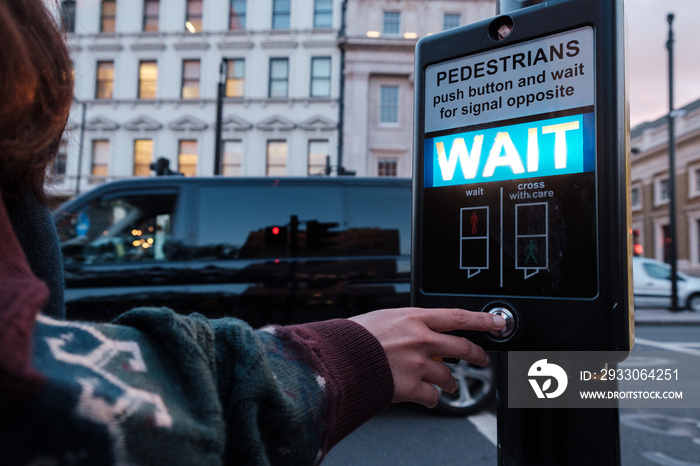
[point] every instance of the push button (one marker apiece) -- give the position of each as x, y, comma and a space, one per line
509, 328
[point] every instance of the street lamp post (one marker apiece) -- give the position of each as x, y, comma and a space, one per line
223, 72
673, 251
80, 145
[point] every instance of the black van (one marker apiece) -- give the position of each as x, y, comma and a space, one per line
265, 250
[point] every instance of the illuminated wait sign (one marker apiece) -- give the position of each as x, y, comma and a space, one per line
556, 146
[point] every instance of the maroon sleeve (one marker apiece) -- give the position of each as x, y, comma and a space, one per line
21, 297
357, 377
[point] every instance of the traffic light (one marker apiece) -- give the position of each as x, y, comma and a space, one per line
318, 235
276, 235
162, 167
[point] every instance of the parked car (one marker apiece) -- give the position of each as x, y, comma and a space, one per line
264, 250
652, 285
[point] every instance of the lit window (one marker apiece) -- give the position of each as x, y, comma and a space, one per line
148, 79
105, 80
280, 14
318, 153
276, 158
279, 74
151, 15
391, 24
389, 104
320, 77
233, 158
450, 20
190, 79
68, 16
235, 77
143, 156
323, 14
193, 20
237, 15
108, 16
187, 158
387, 167
100, 158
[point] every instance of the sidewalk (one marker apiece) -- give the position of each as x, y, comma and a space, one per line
652, 316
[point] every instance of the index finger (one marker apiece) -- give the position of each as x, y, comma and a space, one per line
445, 320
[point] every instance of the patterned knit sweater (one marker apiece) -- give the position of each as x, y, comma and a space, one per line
156, 387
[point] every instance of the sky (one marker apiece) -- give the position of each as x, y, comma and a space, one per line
647, 34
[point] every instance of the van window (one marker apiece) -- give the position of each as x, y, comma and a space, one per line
118, 229
383, 215
268, 222
301, 221
658, 271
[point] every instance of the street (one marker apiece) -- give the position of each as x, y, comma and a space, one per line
412, 435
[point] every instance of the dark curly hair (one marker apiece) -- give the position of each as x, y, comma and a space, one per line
36, 92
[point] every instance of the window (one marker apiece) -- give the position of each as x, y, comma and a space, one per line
233, 157
143, 156
451, 20
389, 104
323, 14
190, 79
387, 167
105, 80
280, 14
279, 74
108, 16
235, 77
100, 158
276, 158
148, 79
58, 168
636, 197
118, 229
320, 77
193, 19
151, 10
187, 157
391, 24
666, 242
318, 154
320, 221
68, 15
660, 190
693, 181
658, 271
237, 15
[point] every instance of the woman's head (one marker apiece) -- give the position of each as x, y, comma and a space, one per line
36, 91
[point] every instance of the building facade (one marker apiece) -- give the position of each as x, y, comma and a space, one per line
148, 74
378, 45
650, 188
147, 77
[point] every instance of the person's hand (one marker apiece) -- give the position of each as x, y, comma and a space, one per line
411, 339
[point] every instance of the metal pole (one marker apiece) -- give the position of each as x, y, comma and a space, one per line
80, 148
673, 250
341, 104
551, 437
221, 93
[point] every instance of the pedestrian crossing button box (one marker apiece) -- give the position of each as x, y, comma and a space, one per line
521, 175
